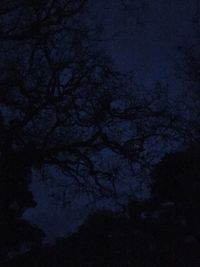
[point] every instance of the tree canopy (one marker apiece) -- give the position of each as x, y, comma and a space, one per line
63, 105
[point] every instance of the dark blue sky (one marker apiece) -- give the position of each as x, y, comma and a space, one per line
149, 51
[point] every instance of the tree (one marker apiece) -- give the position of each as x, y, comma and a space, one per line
175, 192
189, 74
15, 172
63, 104
176, 182
161, 231
66, 104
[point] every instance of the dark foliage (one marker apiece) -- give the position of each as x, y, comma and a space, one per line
63, 102
15, 172
163, 231
62, 105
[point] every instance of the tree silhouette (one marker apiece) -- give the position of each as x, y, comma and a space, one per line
161, 231
15, 172
63, 102
175, 191
63, 105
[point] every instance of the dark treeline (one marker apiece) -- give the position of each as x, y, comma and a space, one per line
64, 106
163, 231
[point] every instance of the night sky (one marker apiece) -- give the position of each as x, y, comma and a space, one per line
145, 44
